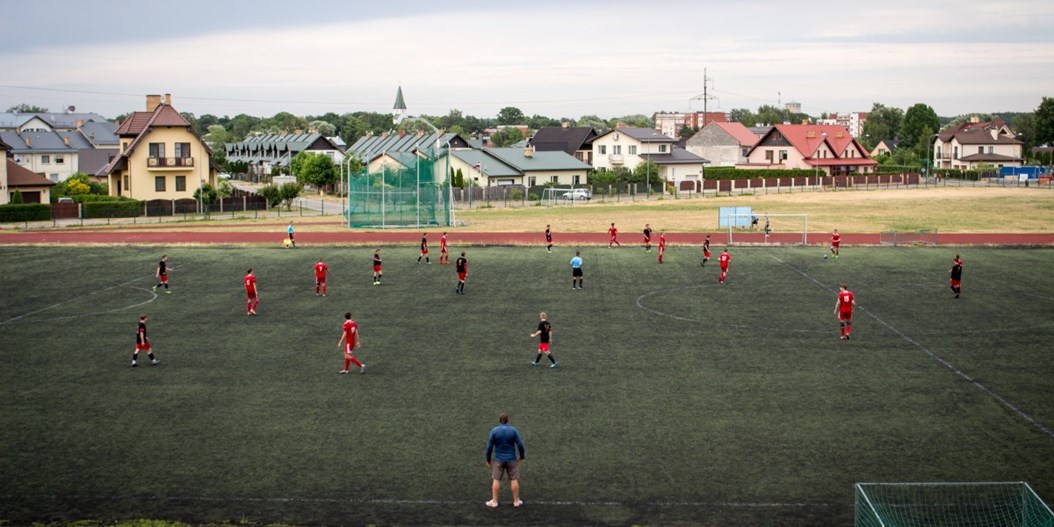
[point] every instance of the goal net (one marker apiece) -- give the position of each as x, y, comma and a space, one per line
950, 504
405, 193
564, 196
911, 237
761, 229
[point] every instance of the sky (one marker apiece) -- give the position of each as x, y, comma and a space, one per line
557, 58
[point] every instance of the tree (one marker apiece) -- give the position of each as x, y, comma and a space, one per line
206, 194
314, 169
224, 189
924, 144
1045, 122
506, 137
645, 172
289, 192
16, 197
918, 117
687, 131
883, 122
593, 122
743, 116
459, 179
323, 127
27, 108
511, 115
637, 121
1025, 126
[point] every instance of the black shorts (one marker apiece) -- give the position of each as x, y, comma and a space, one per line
576, 272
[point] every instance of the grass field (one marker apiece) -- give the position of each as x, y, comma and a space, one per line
677, 401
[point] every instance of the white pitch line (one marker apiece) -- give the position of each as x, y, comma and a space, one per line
53, 306
94, 313
942, 361
397, 501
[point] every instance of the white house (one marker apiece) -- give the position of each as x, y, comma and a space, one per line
628, 147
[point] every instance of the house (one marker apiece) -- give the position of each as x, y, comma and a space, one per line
57, 145
628, 147
516, 166
34, 187
883, 148
370, 148
724, 144
264, 153
576, 141
976, 147
48, 121
852, 121
829, 149
161, 156
670, 123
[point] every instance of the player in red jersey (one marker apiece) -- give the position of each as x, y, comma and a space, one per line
162, 274
548, 240
142, 343
320, 277
350, 341
251, 293
444, 257
377, 266
461, 266
724, 259
424, 248
956, 274
647, 238
706, 250
545, 334
843, 308
662, 245
836, 240
614, 236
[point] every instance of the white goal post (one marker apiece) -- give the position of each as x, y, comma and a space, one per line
777, 229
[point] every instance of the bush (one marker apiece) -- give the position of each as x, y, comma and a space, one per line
25, 212
723, 173
16, 198
128, 208
897, 169
85, 198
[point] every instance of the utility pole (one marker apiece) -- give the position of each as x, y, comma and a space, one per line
705, 97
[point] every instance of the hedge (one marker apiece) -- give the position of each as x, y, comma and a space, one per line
747, 173
25, 212
89, 198
897, 169
113, 209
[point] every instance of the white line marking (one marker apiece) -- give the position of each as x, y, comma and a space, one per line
70, 300
995, 396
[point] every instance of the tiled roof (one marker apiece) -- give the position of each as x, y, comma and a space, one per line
368, 148
807, 138
677, 156
841, 161
978, 136
19, 176
133, 124
538, 161
101, 133
54, 119
139, 122
166, 115
558, 138
43, 141
644, 135
738, 132
490, 166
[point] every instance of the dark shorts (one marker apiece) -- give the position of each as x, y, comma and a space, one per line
955, 283
497, 468
576, 272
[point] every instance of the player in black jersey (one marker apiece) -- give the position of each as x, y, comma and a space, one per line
377, 266
142, 343
647, 237
424, 249
545, 332
706, 250
956, 274
461, 265
548, 240
162, 274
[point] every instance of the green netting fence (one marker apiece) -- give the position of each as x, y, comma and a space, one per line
404, 194
950, 505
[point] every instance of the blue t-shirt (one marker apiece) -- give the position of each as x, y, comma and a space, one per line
576, 262
290, 229
503, 442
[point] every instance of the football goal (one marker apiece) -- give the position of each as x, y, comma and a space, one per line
565, 196
949, 504
761, 229
911, 237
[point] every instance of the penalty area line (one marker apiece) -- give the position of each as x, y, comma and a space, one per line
940, 360
74, 299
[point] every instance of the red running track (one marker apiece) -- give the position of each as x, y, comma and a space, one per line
408, 237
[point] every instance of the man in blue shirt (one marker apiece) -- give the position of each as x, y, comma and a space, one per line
503, 442
576, 271
290, 231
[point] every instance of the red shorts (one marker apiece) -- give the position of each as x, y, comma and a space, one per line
349, 348
320, 279
424, 251
724, 268
647, 240
543, 347
376, 268
845, 315
142, 347
835, 244
442, 250
956, 283
461, 276
706, 253
250, 295
163, 279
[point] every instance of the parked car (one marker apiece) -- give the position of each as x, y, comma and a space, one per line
65, 199
578, 194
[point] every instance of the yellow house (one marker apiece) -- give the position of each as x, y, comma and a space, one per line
161, 157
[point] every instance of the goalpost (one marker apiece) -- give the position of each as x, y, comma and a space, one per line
950, 504
777, 229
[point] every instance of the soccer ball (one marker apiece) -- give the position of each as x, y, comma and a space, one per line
824, 256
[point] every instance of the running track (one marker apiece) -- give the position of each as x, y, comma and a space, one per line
137, 236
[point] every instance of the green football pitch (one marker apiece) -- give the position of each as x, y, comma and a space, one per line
676, 401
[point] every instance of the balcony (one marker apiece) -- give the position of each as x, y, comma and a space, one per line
161, 163
615, 159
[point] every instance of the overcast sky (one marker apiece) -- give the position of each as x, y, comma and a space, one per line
557, 58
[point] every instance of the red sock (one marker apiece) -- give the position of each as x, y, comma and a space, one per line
323, 288
848, 329
248, 305
347, 361
353, 360
841, 329
316, 289
255, 303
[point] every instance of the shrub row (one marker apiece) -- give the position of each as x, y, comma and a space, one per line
113, 209
25, 212
741, 173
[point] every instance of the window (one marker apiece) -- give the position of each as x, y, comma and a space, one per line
768, 156
662, 149
45, 160
617, 150
955, 153
157, 149
54, 178
937, 155
159, 183
632, 150
603, 149
532, 181
783, 156
181, 183
578, 179
980, 150
59, 160
555, 179
183, 150
127, 188
991, 150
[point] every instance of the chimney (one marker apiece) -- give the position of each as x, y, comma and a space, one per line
528, 151
66, 140
995, 133
974, 119
91, 136
29, 141
80, 122
620, 124
804, 121
565, 124
152, 102
419, 134
402, 134
71, 109
168, 99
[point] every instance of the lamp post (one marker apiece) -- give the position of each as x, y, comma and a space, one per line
929, 157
